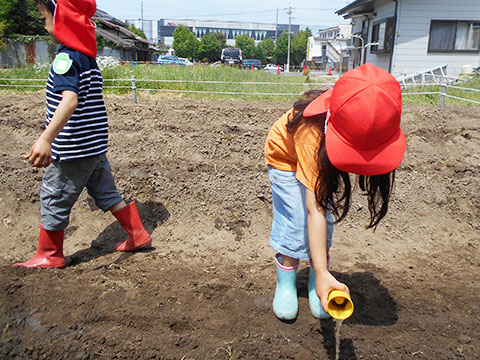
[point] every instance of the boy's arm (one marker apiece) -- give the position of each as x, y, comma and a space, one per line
317, 238
40, 153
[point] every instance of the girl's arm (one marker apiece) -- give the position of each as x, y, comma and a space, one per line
40, 153
317, 238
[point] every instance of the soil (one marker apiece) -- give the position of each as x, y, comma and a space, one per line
204, 289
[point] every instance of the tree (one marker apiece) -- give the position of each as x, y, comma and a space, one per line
264, 50
21, 17
137, 31
299, 46
185, 42
222, 38
210, 49
2, 32
282, 48
247, 45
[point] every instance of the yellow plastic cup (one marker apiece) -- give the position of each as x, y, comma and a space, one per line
339, 304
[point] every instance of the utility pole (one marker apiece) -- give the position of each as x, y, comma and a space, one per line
276, 30
142, 13
276, 38
289, 12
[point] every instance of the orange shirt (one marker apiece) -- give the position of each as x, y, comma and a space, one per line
297, 152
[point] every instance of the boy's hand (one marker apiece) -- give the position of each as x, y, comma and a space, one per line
325, 282
40, 153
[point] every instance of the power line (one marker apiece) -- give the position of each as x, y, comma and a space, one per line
228, 14
314, 9
157, 7
319, 20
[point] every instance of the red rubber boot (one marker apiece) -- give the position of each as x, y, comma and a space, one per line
49, 251
130, 220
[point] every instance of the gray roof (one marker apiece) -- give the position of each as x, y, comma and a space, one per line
102, 15
357, 7
116, 31
122, 36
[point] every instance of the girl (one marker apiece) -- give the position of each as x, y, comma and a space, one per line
310, 151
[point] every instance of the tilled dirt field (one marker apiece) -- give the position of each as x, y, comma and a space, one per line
204, 290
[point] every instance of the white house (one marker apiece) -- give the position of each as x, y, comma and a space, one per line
417, 35
326, 46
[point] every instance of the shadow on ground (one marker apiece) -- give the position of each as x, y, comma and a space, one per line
374, 306
152, 214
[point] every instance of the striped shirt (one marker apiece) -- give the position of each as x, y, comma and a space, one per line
86, 132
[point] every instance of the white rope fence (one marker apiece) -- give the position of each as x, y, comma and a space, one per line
14, 83
443, 93
459, 98
133, 86
219, 82
191, 81
220, 92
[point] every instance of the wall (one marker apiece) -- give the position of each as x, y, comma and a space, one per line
413, 28
121, 54
382, 10
18, 54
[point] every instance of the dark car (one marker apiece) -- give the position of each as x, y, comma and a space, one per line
231, 56
248, 63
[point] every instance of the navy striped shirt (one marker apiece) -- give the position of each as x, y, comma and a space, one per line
86, 132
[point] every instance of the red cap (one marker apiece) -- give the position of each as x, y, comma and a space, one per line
363, 134
73, 25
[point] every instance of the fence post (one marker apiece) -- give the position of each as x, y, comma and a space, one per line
442, 97
134, 89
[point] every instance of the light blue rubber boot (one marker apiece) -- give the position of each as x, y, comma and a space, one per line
285, 302
313, 299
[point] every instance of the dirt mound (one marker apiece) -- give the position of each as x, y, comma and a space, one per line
204, 290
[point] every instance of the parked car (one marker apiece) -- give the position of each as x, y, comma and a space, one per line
272, 68
169, 60
186, 61
231, 56
248, 63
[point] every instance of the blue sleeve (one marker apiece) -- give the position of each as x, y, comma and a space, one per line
68, 81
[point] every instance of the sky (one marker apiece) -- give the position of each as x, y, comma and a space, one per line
314, 14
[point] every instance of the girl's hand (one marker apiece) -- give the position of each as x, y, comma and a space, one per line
40, 153
325, 282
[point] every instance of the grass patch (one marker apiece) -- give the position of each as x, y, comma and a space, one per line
117, 80
238, 81
434, 99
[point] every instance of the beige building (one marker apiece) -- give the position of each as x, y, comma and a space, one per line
327, 46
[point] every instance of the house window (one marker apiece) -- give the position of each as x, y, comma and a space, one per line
450, 36
383, 34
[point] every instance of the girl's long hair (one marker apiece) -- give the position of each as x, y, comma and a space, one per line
333, 189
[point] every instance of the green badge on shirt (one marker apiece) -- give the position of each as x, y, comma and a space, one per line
62, 63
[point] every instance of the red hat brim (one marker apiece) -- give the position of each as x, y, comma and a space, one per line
365, 162
320, 105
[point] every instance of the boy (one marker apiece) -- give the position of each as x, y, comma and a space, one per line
74, 144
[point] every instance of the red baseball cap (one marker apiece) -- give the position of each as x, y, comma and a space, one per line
363, 134
73, 25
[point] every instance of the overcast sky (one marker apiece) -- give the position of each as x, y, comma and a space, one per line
314, 14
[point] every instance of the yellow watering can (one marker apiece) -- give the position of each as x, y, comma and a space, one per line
340, 304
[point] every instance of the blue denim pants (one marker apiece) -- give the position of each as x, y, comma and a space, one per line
289, 234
